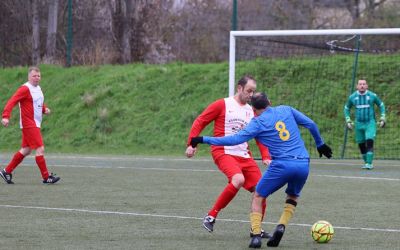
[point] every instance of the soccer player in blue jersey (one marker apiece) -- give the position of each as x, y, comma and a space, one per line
276, 128
363, 100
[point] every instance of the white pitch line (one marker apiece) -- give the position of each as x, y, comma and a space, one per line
182, 217
210, 170
345, 163
133, 158
134, 168
356, 177
122, 158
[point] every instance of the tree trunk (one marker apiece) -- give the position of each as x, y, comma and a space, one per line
354, 8
35, 33
51, 32
127, 14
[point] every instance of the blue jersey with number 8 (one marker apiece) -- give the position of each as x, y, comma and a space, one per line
277, 128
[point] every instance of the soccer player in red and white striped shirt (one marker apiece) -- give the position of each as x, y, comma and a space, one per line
230, 115
30, 98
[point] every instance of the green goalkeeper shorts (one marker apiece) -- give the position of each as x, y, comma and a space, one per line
365, 131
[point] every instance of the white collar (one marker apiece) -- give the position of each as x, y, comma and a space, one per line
364, 92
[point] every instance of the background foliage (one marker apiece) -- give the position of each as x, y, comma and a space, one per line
161, 31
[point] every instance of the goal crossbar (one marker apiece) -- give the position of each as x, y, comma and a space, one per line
248, 33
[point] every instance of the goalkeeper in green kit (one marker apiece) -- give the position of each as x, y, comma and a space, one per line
365, 124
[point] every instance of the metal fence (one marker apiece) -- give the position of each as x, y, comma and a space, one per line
316, 74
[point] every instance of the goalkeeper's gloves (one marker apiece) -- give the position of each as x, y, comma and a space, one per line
325, 150
349, 124
382, 123
196, 140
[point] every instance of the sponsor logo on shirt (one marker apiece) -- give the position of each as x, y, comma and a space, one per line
239, 124
362, 106
237, 128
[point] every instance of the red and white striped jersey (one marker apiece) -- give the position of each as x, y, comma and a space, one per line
229, 117
31, 105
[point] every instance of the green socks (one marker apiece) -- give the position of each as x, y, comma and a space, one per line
369, 157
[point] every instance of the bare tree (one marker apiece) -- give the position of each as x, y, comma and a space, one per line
51, 32
15, 32
354, 8
161, 31
35, 33
358, 7
127, 13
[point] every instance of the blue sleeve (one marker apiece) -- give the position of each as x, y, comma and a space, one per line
244, 135
306, 122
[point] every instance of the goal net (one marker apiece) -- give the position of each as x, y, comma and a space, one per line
315, 71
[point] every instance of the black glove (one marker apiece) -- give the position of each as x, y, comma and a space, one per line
325, 150
195, 141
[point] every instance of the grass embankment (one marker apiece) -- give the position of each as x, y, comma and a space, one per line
148, 109
131, 109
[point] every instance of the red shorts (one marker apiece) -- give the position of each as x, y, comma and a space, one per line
32, 138
231, 165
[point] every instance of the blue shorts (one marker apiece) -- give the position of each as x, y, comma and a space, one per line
282, 172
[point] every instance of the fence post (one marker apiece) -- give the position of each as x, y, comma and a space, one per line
234, 15
69, 33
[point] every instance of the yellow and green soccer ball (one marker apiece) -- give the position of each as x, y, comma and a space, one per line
322, 231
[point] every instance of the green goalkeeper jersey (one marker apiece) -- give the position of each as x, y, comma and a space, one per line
364, 106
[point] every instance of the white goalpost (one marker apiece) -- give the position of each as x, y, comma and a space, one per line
316, 70
285, 33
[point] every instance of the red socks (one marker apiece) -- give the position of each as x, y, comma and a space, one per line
15, 161
41, 162
223, 199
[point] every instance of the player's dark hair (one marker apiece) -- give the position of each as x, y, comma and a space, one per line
260, 100
243, 81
